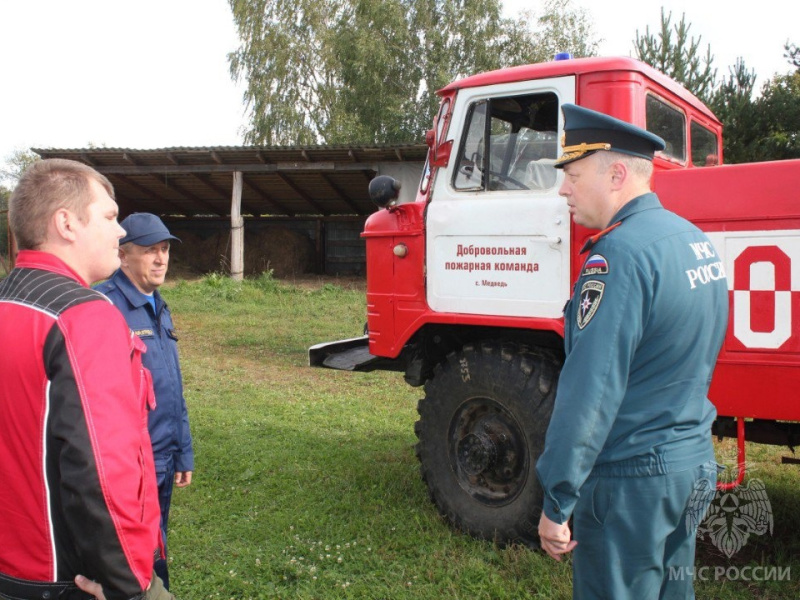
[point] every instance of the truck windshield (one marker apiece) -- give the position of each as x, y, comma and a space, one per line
509, 143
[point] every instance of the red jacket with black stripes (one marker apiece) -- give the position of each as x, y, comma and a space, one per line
77, 483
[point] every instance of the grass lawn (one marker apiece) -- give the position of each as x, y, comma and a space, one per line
306, 483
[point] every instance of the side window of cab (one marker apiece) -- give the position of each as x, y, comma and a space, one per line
704, 146
508, 143
669, 123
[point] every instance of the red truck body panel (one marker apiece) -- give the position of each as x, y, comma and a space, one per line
749, 200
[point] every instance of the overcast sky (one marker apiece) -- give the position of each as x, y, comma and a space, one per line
154, 73
143, 74
755, 31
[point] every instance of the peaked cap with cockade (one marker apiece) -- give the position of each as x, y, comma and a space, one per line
588, 131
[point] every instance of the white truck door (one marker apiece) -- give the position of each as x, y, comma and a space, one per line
497, 230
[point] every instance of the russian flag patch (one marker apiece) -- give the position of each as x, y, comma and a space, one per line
595, 265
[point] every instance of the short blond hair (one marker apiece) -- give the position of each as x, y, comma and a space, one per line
45, 187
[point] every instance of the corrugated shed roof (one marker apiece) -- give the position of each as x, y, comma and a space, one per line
277, 180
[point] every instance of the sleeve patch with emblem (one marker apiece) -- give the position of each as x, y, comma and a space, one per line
596, 265
591, 294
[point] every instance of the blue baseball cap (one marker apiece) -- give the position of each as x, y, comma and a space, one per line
145, 229
588, 131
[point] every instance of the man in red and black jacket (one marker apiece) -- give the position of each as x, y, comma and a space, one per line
78, 501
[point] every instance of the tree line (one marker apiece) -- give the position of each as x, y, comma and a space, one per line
366, 71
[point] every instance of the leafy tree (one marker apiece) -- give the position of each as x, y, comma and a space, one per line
764, 128
778, 112
556, 26
680, 57
10, 173
733, 104
15, 166
385, 75
792, 54
366, 71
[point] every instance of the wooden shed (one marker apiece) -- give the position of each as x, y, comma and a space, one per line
290, 201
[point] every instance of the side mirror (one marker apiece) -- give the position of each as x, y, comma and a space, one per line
384, 191
430, 138
441, 155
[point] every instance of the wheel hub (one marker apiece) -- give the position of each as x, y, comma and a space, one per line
488, 450
477, 453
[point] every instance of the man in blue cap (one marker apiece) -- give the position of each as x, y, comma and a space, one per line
133, 288
630, 436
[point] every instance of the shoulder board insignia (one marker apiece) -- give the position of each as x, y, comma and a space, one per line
595, 265
598, 236
144, 332
590, 296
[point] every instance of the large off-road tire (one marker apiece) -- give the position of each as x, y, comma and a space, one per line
481, 429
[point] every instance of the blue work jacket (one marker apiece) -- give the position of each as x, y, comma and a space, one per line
169, 422
642, 331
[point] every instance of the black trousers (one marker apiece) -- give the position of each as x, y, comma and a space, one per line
12, 588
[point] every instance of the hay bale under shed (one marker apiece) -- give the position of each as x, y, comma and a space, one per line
196, 253
286, 252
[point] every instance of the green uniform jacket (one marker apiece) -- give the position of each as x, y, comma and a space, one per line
642, 333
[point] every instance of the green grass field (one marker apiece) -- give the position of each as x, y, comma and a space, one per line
306, 483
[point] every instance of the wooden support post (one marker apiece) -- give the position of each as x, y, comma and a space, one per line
320, 258
237, 229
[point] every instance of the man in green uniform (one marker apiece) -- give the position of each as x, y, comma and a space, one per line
630, 436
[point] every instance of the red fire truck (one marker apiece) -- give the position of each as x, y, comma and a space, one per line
467, 284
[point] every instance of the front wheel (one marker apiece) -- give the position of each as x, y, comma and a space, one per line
481, 429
